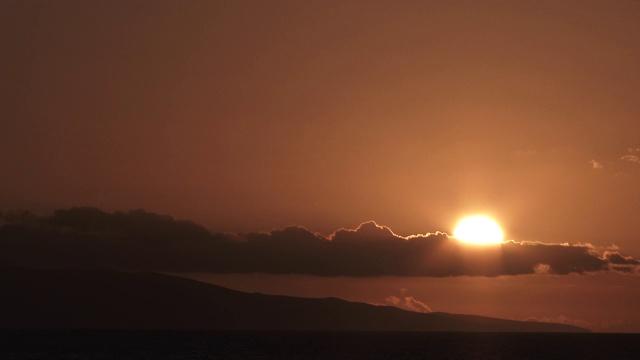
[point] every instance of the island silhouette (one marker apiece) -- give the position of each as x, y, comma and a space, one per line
109, 299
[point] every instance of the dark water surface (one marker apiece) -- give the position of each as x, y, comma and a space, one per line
103, 344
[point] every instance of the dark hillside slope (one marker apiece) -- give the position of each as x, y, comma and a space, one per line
119, 300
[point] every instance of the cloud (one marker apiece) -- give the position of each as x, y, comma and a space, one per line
542, 269
617, 258
596, 165
620, 263
394, 300
408, 302
631, 158
416, 305
139, 240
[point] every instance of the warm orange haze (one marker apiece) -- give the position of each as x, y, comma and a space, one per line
472, 157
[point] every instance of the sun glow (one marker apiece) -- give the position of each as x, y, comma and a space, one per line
478, 230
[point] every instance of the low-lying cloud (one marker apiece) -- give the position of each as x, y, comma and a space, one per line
139, 240
407, 302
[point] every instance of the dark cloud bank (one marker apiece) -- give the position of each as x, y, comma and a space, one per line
139, 240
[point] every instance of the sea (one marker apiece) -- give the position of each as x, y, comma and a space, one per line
117, 344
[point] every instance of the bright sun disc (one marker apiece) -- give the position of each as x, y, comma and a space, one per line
478, 230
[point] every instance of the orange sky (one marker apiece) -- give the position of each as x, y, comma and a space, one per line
254, 115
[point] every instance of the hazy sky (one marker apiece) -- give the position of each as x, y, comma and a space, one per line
254, 115
251, 115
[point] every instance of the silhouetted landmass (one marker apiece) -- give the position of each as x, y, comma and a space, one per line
143, 241
105, 299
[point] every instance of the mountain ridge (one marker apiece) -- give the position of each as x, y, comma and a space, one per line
108, 299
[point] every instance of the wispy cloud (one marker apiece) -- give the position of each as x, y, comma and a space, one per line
631, 158
596, 165
408, 303
393, 300
416, 305
632, 155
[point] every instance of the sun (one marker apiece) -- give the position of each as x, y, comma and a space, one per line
478, 230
